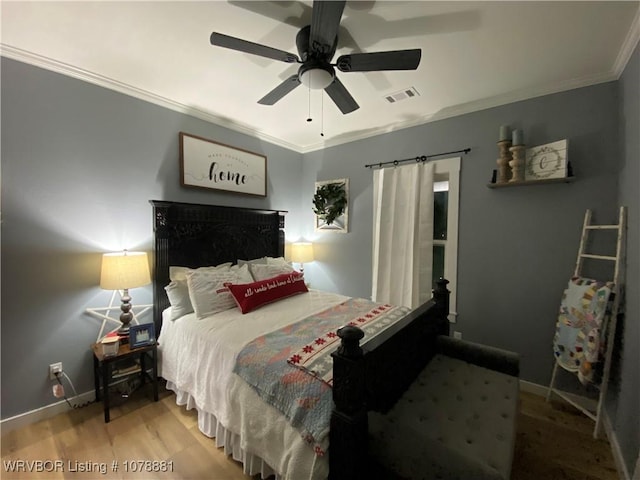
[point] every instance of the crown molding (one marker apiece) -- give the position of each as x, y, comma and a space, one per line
472, 107
126, 89
454, 111
628, 46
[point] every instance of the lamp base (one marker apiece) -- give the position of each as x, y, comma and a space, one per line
307, 284
125, 317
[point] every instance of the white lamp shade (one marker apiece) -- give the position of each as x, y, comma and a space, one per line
302, 252
124, 270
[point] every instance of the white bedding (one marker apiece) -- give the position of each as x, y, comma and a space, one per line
197, 359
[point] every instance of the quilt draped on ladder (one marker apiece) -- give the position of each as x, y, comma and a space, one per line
578, 341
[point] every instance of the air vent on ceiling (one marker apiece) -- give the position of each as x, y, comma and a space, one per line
410, 92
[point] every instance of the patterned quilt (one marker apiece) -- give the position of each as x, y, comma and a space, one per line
579, 341
291, 368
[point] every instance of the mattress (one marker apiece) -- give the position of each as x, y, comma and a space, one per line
197, 358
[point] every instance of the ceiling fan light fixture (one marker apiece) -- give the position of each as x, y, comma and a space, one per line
316, 78
316, 44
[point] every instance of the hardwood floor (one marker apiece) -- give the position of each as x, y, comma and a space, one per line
554, 442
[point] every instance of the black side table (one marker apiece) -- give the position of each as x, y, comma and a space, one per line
103, 369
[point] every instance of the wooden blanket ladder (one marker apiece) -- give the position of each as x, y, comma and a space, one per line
610, 327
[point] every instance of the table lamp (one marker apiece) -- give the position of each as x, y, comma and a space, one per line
122, 271
302, 252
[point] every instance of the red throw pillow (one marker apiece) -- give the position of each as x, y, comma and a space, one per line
249, 296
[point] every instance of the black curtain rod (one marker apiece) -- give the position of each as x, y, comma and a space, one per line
421, 158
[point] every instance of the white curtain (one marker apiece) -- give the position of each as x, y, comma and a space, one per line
403, 234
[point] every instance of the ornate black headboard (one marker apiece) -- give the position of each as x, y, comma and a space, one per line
193, 235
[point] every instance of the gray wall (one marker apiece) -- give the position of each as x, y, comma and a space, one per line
79, 165
624, 404
517, 246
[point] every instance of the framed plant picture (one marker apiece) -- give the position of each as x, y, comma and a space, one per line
331, 206
141, 335
212, 165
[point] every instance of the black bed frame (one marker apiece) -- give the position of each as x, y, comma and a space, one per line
367, 377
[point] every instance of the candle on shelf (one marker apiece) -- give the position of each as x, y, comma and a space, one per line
518, 137
504, 133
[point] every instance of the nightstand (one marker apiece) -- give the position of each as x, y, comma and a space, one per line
145, 357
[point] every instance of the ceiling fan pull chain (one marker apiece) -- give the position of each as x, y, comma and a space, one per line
321, 113
309, 119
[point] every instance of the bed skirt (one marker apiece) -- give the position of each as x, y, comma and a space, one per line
231, 443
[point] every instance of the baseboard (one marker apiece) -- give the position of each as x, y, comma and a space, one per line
534, 388
43, 413
623, 473
541, 390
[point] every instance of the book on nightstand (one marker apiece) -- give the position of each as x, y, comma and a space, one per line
126, 367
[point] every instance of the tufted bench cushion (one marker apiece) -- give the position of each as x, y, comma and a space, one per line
456, 421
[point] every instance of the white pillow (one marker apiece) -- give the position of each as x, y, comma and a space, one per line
178, 291
178, 295
277, 261
262, 272
251, 263
207, 292
179, 273
243, 274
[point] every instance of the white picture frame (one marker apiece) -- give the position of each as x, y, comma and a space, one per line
212, 165
546, 161
341, 223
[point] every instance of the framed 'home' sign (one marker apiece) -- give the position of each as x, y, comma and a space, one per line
208, 164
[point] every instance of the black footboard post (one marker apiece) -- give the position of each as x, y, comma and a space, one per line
441, 297
349, 426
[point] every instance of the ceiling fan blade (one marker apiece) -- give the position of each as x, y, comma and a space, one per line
221, 40
294, 13
369, 62
280, 91
341, 97
325, 21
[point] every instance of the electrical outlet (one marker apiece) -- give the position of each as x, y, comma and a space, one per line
457, 334
53, 369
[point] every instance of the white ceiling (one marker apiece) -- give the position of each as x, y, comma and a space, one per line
474, 55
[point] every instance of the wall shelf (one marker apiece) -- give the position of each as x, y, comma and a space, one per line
531, 182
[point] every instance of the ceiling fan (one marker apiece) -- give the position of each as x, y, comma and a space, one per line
316, 44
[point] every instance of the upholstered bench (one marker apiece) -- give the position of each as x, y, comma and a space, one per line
456, 421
